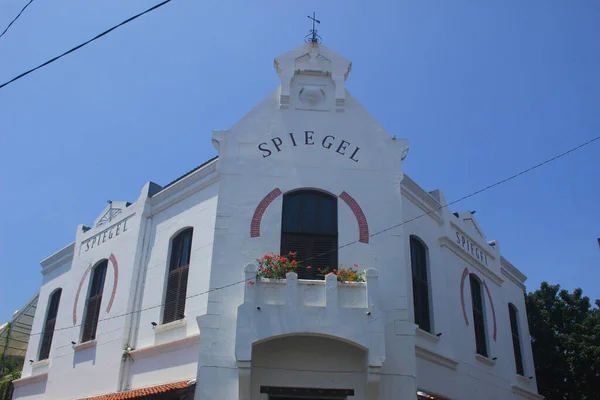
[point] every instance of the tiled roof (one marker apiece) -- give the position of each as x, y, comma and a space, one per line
137, 393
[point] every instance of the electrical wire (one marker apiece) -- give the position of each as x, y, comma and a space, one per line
500, 182
16, 18
84, 43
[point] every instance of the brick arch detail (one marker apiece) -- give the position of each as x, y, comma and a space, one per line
363, 225
260, 210
492, 307
115, 265
462, 294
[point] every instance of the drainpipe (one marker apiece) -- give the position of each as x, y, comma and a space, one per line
133, 328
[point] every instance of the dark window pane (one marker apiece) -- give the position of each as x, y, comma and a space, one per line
49, 325
514, 327
292, 216
478, 316
90, 321
309, 213
327, 215
309, 227
418, 259
98, 278
177, 279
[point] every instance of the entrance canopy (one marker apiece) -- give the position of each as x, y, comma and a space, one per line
20, 329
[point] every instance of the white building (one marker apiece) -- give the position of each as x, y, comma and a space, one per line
162, 293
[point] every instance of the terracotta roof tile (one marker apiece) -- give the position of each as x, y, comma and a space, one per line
137, 393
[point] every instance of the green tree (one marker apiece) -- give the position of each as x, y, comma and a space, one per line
10, 368
565, 339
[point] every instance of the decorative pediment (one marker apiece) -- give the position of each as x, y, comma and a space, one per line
314, 77
111, 212
470, 223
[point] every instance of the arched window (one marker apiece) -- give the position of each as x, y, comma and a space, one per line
514, 327
309, 227
94, 301
179, 266
418, 261
48, 331
478, 315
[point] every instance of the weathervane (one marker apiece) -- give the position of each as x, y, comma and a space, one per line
312, 36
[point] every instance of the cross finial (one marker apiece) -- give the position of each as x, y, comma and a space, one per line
312, 36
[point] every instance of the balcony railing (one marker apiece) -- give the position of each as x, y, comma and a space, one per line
310, 293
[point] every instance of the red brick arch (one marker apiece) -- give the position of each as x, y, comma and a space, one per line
260, 210
363, 225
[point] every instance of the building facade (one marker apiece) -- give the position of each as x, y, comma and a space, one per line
160, 297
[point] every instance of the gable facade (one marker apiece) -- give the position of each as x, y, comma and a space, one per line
180, 299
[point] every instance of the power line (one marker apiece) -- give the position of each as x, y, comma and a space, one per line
16, 18
84, 43
549, 160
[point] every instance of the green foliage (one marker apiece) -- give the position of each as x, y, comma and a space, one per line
565, 339
10, 368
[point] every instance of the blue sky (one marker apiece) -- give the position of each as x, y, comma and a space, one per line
482, 90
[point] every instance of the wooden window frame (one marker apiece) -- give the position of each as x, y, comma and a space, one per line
420, 282
49, 324
478, 306
321, 249
94, 301
513, 315
177, 276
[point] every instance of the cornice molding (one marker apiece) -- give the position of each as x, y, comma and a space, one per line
436, 358
179, 191
153, 351
512, 270
30, 380
485, 360
488, 273
526, 393
188, 180
421, 196
427, 336
57, 259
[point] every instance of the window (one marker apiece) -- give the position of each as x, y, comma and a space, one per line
48, 331
478, 316
179, 265
309, 227
92, 309
514, 327
418, 261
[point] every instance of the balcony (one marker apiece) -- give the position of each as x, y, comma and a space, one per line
343, 311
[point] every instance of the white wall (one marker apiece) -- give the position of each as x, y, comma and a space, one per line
197, 211
308, 361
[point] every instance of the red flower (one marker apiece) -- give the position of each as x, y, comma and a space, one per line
356, 265
294, 262
308, 267
283, 259
250, 283
268, 257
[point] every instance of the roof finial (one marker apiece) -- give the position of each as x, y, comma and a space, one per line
312, 36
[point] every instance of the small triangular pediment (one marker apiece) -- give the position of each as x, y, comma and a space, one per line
111, 212
470, 223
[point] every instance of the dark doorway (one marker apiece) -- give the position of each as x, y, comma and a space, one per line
296, 393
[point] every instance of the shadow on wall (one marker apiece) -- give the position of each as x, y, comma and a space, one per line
31, 390
85, 355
